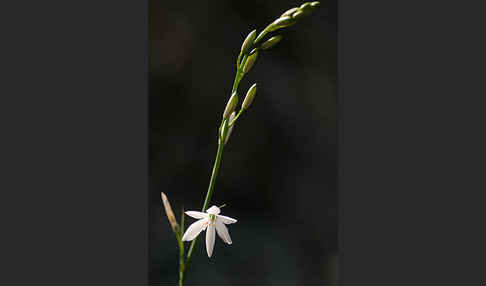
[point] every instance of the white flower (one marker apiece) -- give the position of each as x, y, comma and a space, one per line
213, 222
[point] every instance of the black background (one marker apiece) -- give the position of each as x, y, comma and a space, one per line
279, 170
74, 154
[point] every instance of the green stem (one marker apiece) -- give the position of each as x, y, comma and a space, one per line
181, 263
239, 74
185, 265
209, 194
240, 63
181, 252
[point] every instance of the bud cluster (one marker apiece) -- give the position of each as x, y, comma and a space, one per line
291, 16
249, 51
230, 116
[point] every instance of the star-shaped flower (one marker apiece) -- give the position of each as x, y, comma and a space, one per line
213, 222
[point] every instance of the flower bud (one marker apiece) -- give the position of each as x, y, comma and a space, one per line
170, 215
271, 42
283, 22
289, 12
248, 43
306, 6
231, 105
250, 61
232, 116
224, 130
309, 7
298, 15
250, 96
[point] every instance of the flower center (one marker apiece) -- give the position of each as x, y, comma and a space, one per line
212, 218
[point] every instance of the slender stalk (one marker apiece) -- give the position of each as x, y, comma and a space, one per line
181, 252
209, 194
182, 270
288, 20
239, 74
181, 263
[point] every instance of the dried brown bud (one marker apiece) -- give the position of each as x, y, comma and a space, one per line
170, 214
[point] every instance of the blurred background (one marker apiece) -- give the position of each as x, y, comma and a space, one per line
278, 174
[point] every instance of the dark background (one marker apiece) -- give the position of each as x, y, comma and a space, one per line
278, 173
74, 147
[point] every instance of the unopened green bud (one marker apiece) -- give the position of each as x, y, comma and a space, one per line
250, 61
305, 6
289, 12
271, 42
250, 96
298, 15
281, 22
228, 134
248, 43
224, 130
309, 7
230, 106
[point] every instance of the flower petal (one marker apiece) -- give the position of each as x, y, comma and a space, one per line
210, 238
194, 229
226, 219
197, 215
223, 232
213, 210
